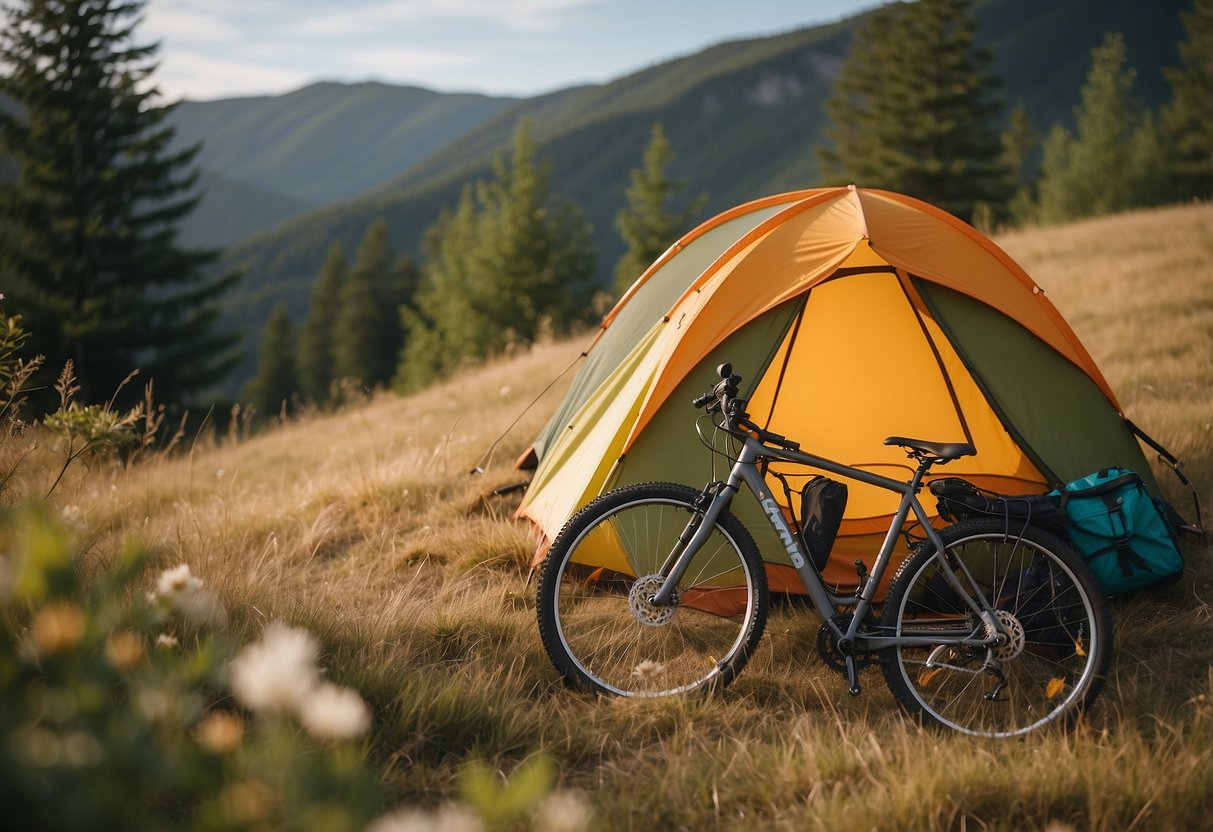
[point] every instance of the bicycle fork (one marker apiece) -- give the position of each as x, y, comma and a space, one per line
714, 499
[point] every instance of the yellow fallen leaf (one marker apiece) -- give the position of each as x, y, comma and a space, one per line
1078, 648
1056, 685
926, 676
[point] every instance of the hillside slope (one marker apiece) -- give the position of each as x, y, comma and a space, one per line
365, 527
320, 144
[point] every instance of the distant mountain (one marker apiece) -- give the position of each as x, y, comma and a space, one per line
742, 118
318, 145
231, 210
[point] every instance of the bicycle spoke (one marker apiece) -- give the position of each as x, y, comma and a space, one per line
1054, 626
599, 625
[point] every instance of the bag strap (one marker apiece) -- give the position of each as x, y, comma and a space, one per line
1127, 478
1176, 465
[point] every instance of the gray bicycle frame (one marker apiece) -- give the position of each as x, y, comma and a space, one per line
745, 469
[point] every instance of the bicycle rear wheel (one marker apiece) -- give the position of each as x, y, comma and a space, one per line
1045, 599
595, 617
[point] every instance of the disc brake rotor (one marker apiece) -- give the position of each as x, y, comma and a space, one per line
644, 611
1016, 638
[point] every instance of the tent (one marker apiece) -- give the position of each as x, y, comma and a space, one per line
851, 315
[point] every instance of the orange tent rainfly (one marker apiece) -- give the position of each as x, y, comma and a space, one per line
851, 315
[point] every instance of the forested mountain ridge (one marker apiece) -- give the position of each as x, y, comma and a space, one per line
312, 147
742, 118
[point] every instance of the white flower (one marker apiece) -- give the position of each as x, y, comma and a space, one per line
334, 713
179, 590
564, 811
277, 672
165, 640
449, 818
177, 581
648, 669
74, 517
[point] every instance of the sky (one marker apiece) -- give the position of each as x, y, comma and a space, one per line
213, 49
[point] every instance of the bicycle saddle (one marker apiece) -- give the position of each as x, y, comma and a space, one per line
935, 451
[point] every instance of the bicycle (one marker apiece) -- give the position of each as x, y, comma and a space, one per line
657, 589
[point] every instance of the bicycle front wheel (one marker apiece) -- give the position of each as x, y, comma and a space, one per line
596, 619
1044, 598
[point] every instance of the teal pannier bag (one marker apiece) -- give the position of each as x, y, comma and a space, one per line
1120, 530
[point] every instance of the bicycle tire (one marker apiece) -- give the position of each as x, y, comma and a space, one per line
593, 609
1046, 599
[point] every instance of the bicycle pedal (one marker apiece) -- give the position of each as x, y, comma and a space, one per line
852, 676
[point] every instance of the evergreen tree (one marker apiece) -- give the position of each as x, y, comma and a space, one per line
509, 262
368, 324
402, 293
912, 110
1019, 141
88, 251
1188, 116
1115, 162
276, 381
315, 356
644, 223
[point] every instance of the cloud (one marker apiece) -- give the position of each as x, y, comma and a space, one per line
520, 15
175, 21
205, 77
402, 62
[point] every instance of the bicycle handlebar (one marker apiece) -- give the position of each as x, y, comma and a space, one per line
722, 399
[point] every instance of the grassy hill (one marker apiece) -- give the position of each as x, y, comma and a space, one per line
742, 118
365, 527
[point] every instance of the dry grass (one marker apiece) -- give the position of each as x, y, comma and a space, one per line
366, 527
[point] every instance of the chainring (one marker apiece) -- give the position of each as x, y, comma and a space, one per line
827, 646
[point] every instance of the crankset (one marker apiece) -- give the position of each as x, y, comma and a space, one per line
832, 654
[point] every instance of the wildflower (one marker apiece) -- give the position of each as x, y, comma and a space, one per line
180, 590
277, 672
124, 649
564, 811
166, 640
247, 801
57, 628
176, 582
334, 713
82, 750
648, 670
156, 704
74, 518
449, 818
220, 733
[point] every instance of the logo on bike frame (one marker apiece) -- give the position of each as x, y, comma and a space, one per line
781, 528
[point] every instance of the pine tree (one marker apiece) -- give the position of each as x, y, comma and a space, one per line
315, 353
89, 253
276, 382
913, 112
1019, 141
1115, 161
366, 342
645, 224
509, 262
1188, 116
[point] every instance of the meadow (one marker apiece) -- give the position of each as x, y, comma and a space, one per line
365, 527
